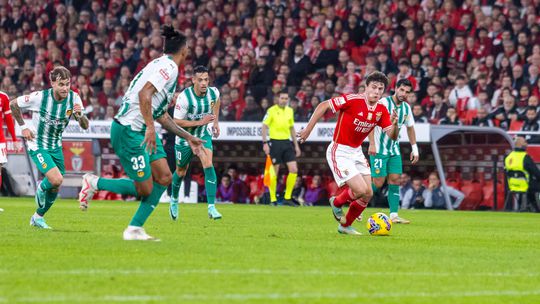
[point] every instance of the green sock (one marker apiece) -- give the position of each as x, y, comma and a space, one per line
210, 184
117, 185
50, 197
374, 188
147, 206
393, 198
176, 182
45, 185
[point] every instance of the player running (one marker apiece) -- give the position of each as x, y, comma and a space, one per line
385, 155
358, 115
197, 110
51, 111
5, 115
134, 138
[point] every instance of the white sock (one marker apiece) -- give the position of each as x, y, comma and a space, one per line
131, 228
37, 215
393, 215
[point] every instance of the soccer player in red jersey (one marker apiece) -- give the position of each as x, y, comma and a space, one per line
5, 114
358, 115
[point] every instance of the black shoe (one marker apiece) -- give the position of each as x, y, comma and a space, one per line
289, 202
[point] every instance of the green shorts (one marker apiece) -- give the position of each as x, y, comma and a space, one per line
134, 158
184, 154
382, 165
45, 160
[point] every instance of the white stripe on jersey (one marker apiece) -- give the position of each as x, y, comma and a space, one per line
387, 146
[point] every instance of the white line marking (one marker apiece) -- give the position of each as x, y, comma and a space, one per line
278, 296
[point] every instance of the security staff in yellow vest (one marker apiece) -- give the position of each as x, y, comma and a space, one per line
521, 171
279, 120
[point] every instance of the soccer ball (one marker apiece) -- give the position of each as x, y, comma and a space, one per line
379, 224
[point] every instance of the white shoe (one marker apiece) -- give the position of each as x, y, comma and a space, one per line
89, 188
133, 233
348, 230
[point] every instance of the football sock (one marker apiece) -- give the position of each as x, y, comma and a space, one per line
273, 188
343, 198
210, 181
147, 206
393, 198
50, 197
117, 185
291, 180
176, 182
355, 209
45, 185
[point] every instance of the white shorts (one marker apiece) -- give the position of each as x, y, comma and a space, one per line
346, 162
3, 153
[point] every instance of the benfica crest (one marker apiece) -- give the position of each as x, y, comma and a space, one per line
76, 159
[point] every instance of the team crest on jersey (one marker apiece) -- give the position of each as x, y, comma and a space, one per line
378, 116
140, 173
68, 112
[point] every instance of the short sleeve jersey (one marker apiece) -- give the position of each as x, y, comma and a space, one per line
279, 121
385, 145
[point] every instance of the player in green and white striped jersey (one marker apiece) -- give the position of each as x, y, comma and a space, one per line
51, 111
134, 138
385, 155
197, 110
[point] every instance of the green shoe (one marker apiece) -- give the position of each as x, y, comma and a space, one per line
39, 222
347, 230
40, 197
173, 209
213, 213
338, 212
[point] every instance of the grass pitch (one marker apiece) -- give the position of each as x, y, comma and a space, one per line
262, 254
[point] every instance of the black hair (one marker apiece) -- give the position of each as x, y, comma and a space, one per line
404, 82
200, 69
174, 40
377, 77
531, 108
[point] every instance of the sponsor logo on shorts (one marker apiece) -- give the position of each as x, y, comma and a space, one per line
44, 165
377, 171
140, 173
68, 112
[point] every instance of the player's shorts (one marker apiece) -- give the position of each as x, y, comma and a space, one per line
346, 162
282, 151
45, 160
134, 158
382, 165
3, 153
184, 154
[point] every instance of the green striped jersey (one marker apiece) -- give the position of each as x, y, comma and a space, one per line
191, 107
162, 73
49, 117
385, 145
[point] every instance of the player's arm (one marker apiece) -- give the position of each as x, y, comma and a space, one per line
267, 120
15, 106
145, 104
393, 130
169, 124
295, 141
415, 155
9, 119
372, 150
78, 113
317, 114
195, 123
215, 129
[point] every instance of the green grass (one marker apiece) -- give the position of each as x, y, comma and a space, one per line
262, 254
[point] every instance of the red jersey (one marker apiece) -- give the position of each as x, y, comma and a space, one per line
357, 118
5, 114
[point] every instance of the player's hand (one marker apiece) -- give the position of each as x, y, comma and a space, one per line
28, 134
149, 141
303, 135
196, 144
77, 109
297, 150
414, 158
372, 150
394, 118
207, 119
215, 129
266, 148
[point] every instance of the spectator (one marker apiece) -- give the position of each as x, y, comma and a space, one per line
300, 66
451, 118
418, 114
404, 184
482, 119
413, 197
252, 111
315, 193
226, 192
439, 109
505, 113
299, 191
434, 195
531, 125
261, 79
241, 190
405, 72
461, 97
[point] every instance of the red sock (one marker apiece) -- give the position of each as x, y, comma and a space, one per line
355, 209
343, 198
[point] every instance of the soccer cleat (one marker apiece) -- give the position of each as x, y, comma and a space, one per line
336, 211
133, 233
89, 183
348, 230
173, 209
39, 222
399, 220
40, 197
289, 202
213, 213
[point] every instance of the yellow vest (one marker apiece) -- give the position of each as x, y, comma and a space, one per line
518, 177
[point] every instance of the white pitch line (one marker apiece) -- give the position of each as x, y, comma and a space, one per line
259, 272
277, 296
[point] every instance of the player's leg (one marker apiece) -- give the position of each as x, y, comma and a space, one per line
210, 180
183, 158
277, 159
3, 159
359, 194
289, 157
395, 169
